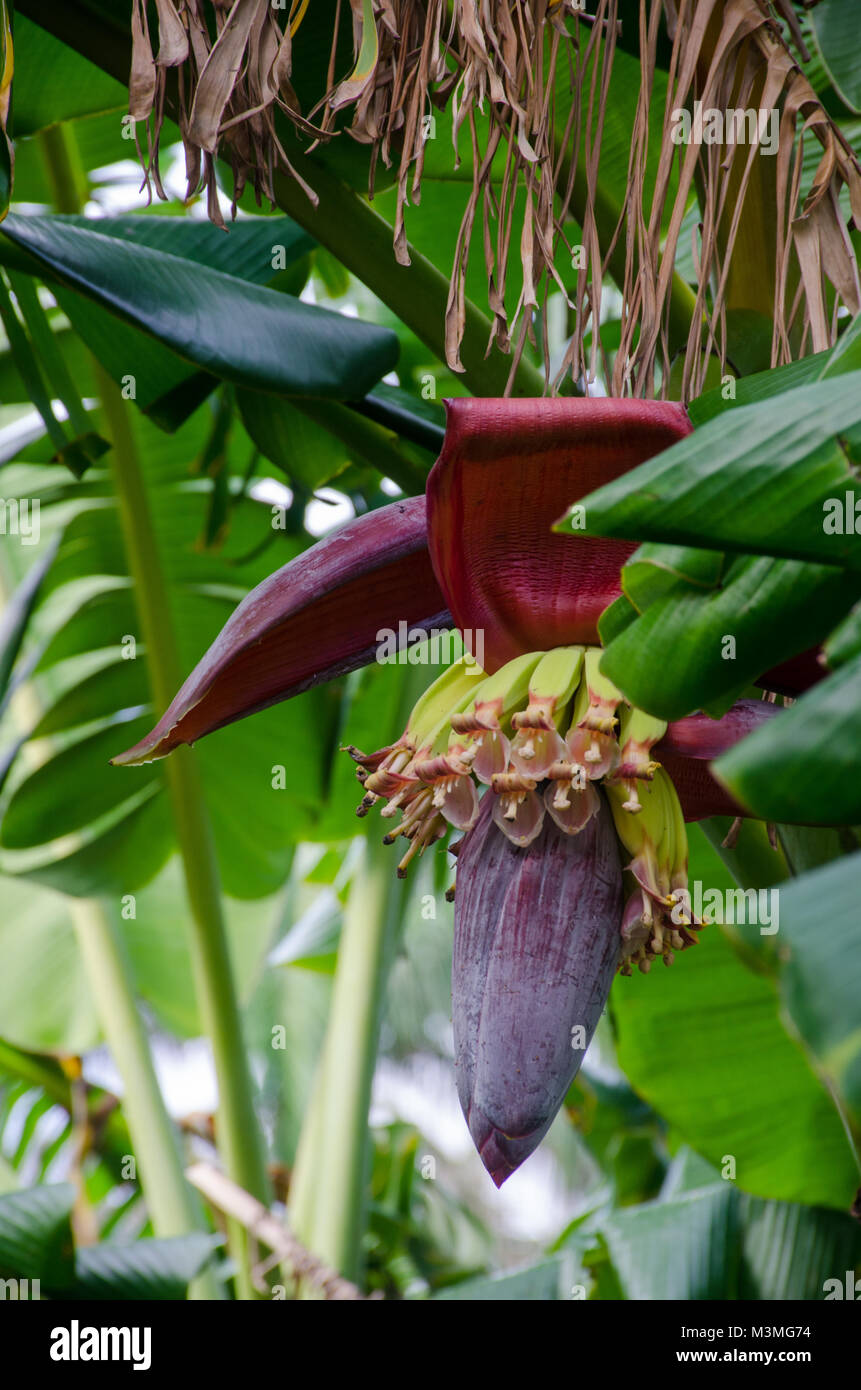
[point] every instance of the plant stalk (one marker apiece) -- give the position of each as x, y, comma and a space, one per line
237, 1133
327, 1194
172, 1206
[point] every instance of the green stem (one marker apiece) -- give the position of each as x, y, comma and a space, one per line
378, 446
328, 1186
44, 341
66, 174
238, 1133
170, 1201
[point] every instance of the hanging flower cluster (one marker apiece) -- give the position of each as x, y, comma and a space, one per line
574, 860
545, 734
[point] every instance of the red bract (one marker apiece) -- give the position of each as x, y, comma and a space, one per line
691, 743
314, 619
536, 946
480, 553
507, 472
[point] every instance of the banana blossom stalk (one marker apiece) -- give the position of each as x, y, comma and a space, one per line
574, 860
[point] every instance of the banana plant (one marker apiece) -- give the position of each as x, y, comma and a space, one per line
480, 551
599, 711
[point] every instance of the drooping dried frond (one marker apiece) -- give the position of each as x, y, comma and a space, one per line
730, 59
528, 86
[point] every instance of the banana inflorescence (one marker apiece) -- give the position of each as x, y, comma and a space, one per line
544, 734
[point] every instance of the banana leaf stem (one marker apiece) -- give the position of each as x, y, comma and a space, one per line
238, 1133
328, 1188
173, 1207
28, 367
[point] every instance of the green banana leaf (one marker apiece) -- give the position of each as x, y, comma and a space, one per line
234, 329
757, 480
805, 770
81, 826
36, 1242
706, 1045
76, 87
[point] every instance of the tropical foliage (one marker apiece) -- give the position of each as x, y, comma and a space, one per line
225, 1039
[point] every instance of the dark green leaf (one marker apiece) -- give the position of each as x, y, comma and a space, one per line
247, 334
114, 685
112, 861
542, 1282
835, 27
820, 929
16, 613
256, 249
613, 621
696, 649
706, 1045
36, 1234
76, 86
62, 796
407, 415
167, 389
790, 1250
803, 767
303, 449
765, 479
759, 387
845, 640
685, 1249
654, 571
709, 1241
7, 164
846, 355
144, 1271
